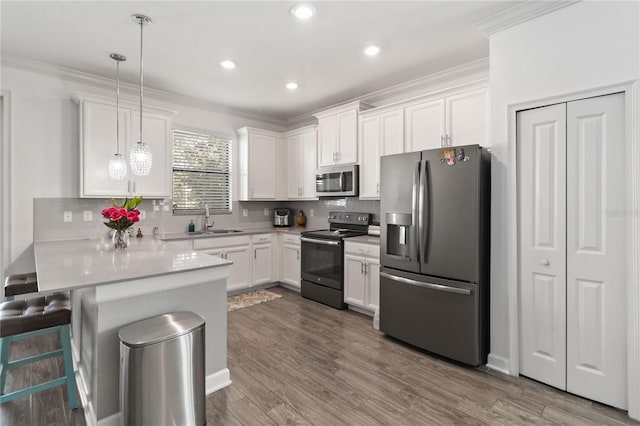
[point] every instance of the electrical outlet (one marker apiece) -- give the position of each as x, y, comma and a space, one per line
87, 215
311, 213
245, 212
67, 216
266, 211
143, 214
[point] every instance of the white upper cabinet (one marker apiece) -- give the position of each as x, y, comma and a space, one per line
467, 118
424, 125
381, 133
98, 144
259, 157
301, 163
459, 119
338, 134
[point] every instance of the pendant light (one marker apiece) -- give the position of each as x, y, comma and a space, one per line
117, 164
140, 156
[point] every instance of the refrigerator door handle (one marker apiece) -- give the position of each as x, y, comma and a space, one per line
414, 209
430, 286
423, 230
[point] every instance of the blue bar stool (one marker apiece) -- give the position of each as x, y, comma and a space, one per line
22, 319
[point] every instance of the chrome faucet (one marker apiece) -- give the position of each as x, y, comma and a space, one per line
207, 216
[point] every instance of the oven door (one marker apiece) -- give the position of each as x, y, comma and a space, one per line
322, 262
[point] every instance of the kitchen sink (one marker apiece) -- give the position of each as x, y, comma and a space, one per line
214, 232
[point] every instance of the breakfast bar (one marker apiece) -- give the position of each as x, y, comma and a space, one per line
110, 289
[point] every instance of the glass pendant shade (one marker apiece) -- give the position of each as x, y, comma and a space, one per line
117, 167
141, 159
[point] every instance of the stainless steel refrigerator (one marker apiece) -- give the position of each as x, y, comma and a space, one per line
434, 253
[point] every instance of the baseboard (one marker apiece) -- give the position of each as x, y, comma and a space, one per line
289, 286
363, 311
217, 381
498, 363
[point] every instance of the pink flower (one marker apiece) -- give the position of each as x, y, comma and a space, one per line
115, 215
132, 216
106, 213
122, 211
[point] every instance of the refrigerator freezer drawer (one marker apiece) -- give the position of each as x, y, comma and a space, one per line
443, 318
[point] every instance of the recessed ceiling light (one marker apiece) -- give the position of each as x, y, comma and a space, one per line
228, 64
292, 85
371, 50
303, 11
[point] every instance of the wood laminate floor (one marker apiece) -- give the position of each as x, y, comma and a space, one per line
294, 361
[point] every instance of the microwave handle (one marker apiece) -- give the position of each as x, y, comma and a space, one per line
341, 181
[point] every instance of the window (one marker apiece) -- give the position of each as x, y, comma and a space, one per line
201, 172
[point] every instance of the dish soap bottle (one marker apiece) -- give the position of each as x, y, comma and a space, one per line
192, 226
301, 220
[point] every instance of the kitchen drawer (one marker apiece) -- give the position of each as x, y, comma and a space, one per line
291, 239
365, 250
261, 238
217, 242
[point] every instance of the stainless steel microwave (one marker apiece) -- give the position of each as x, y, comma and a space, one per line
337, 181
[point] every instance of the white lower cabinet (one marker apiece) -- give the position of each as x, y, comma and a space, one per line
362, 275
290, 249
235, 249
262, 259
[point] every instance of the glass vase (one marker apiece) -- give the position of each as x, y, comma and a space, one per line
120, 239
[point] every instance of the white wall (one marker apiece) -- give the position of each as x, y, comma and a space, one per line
584, 46
44, 145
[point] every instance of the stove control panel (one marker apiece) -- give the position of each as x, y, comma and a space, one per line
350, 218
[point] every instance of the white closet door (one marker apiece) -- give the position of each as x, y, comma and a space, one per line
596, 314
542, 206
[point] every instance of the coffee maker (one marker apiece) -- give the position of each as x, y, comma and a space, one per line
282, 218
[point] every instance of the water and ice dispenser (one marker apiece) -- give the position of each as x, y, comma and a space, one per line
398, 234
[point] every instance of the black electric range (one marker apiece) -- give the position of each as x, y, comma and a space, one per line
322, 263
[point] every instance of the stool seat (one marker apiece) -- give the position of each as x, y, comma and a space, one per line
22, 316
21, 284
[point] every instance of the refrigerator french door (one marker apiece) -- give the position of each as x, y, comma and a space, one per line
434, 250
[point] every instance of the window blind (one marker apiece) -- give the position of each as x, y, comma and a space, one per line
201, 172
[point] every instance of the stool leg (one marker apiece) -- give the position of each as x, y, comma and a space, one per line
5, 347
68, 366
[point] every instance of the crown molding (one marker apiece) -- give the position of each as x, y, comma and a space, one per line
518, 14
455, 76
92, 80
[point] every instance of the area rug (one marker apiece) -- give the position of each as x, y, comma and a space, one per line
249, 299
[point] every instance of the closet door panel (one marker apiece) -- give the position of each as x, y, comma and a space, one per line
542, 206
596, 314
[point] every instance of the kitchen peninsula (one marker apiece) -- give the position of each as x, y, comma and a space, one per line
110, 289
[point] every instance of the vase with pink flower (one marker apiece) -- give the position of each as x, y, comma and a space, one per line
120, 218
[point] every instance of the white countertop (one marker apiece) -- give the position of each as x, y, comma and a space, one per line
178, 236
367, 239
73, 264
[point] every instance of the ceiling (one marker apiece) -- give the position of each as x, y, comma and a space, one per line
187, 41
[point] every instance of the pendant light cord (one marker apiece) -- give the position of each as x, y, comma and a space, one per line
141, 73
118, 107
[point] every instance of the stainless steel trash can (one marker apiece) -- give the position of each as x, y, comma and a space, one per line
162, 370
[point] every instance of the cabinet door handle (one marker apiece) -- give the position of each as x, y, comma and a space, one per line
448, 139
134, 186
366, 268
378, 188
297, 254
255, 253
129, 186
